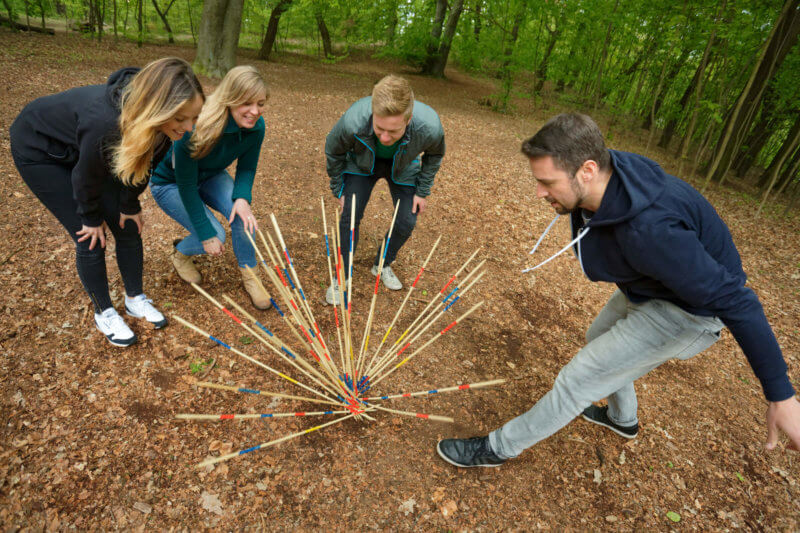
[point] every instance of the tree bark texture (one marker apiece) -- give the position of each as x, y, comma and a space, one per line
272, 29
163, 16
218, 37
324, 34
440, 60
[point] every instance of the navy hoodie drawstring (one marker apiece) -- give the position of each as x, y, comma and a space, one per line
581, 234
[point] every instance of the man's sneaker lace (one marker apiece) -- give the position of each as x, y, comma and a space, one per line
599, 415
465, 453
142, 307
388, 277
114, 328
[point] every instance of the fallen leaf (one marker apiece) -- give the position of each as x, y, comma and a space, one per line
407, 507
675, 517
211, 503
142, 507
438, 494
449, 509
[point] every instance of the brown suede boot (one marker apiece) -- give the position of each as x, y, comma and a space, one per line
258, 294
185, 268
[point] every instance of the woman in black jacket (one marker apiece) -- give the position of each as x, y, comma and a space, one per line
87, 154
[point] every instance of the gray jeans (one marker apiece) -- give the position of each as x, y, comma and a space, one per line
625, 342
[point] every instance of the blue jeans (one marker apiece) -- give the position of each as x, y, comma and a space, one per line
216, 192
625, 342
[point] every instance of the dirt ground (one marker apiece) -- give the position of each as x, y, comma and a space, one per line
89, 440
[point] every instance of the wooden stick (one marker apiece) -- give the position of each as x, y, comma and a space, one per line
209, 385
428, 343
435, 418
402, 305
250, 416
221, 458
368, 327
455, 388
280, 351
435, 297
412, 334
332, 279
247, 357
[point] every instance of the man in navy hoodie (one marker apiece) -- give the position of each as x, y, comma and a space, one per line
679, 279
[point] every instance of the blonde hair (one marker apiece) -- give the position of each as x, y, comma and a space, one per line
241, 84
392, 96
150, 100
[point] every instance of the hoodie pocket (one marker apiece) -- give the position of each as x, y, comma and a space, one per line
60, 152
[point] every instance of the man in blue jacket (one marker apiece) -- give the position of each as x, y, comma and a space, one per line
679, 279
387, 135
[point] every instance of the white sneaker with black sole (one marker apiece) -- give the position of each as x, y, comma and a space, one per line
142, 307
388, 277
114, 328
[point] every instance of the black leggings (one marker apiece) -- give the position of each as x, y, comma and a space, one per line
52, 185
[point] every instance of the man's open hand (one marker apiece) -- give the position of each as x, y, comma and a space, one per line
783, 416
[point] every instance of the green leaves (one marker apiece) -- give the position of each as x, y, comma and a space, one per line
673, 516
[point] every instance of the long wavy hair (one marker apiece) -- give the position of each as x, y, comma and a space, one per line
241, 84
150, 100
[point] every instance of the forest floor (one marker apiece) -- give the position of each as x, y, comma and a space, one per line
89, 440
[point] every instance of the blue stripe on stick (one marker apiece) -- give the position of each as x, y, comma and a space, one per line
286, 273
275, 305
213, 338
290, 354
259, 324
251, 391
449, 295
302, 294
328, 412
327, 248
266, 415
451, 303
248, 450
434, 391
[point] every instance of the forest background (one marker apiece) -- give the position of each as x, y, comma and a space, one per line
707, 89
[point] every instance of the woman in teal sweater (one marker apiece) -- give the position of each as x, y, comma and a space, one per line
193, 177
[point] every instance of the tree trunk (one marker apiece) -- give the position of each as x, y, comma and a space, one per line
116, 34
507, 73
790, 172
218, 37
661, 92
653, 109
672, 124
541, 72
603, 56
272, 29
100, 17
782, 37
432, 48
324, 34
140, 22
191, 21
27, 15
758, 136
391, 29
788, 146
163, 17
476, 27
10, 10
795, 196
440, 60
700, 77
41, 11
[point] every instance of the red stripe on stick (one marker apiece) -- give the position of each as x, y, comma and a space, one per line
300, 414
404, 348
445, 330
462, 387
294, 305
418, 276
336, 316
314, 355
448, 284
283, 280
234, 317
420, 415
407, 395
225, 417
377, 280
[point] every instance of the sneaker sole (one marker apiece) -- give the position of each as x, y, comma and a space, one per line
459, 465
123, 344
612, 428
156, 325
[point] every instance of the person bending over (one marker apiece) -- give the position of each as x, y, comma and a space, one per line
192, 178
87, 154
679, 279
387, 136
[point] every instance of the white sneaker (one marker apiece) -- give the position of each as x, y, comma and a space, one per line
114, 328
142, 307
388, 278
332, 294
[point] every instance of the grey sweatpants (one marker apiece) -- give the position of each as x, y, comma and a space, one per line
625, 342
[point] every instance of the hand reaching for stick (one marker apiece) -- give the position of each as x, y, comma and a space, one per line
242, 209
213, 246
783, 416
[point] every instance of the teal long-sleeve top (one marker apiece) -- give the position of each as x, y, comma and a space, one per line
178, 166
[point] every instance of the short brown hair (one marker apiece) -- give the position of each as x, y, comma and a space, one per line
391, 96
570, 139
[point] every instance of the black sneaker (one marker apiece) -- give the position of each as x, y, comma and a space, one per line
468, 452
599, 415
